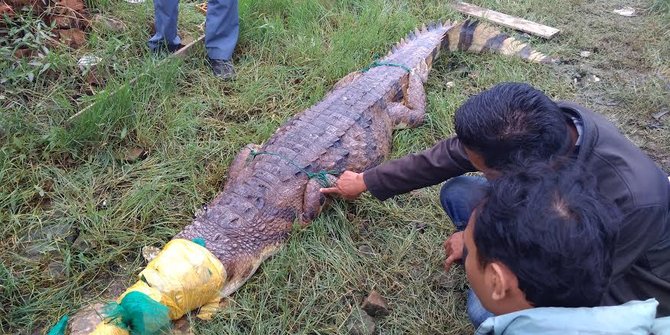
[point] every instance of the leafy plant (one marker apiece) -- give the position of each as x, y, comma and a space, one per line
24, 42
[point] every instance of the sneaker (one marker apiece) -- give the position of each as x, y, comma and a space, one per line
164, 48
222, 68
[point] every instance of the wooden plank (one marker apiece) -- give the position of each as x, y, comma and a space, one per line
507, 20
181, 53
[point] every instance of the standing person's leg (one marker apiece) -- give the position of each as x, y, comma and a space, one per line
222, 29
459, 196
166, 14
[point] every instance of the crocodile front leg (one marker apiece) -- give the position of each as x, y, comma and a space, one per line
240, 162
411, 111
314, 201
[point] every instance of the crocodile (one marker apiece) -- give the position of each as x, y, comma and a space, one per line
349, 129
269, 187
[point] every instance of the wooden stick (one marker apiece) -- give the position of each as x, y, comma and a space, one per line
507, 20
181, 53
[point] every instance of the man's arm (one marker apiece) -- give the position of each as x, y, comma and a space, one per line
444, 160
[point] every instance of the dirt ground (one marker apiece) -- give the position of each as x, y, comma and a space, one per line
626, 76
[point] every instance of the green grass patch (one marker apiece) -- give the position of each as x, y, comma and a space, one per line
76, 211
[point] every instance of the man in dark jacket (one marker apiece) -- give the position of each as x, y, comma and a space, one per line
513, 123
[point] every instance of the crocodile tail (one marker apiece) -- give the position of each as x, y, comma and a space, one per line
419, 33
430, 35
478, 37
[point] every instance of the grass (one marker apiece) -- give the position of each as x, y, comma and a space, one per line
76, 213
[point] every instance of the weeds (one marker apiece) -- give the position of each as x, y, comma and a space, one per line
28, 34
76, 212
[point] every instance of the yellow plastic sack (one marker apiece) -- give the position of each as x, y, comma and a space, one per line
184, 276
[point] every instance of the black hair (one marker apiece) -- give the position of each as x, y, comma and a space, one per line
512, 122
550, 226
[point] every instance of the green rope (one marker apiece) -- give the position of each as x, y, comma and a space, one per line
380, 63
321, 176
139, 314
60, 327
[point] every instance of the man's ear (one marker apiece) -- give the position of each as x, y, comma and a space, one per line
501, 281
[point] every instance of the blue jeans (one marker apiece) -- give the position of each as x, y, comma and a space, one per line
459, 196
222, 26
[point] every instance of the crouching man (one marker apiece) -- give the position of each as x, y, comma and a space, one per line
538, 254
512, 123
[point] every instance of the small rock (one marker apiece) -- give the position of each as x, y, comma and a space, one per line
360, 323
85, 320
626, 11
149, 252
585, 54
450, 84
375, 304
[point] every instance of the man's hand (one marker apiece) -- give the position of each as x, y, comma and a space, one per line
349, 186
453, 248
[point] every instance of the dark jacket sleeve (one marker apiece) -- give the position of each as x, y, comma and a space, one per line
643, 236
640, 266
445, 160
